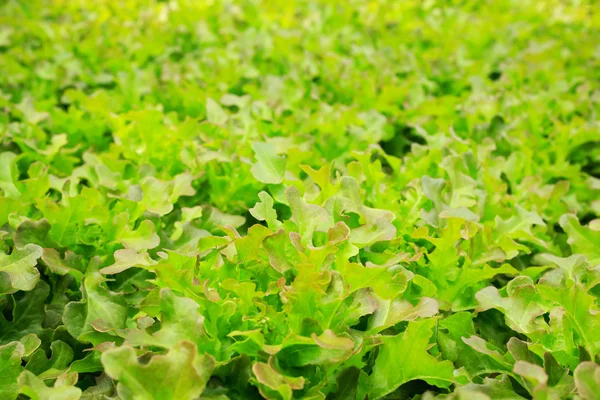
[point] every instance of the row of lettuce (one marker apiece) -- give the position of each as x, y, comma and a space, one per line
235, 200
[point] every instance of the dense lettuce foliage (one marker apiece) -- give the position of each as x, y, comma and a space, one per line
299, 199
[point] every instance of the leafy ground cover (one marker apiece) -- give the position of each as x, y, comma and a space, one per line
299, 199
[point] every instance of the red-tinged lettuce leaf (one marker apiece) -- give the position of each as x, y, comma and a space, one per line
587, 380
179, 374
18, 270
63, 388
101, 313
